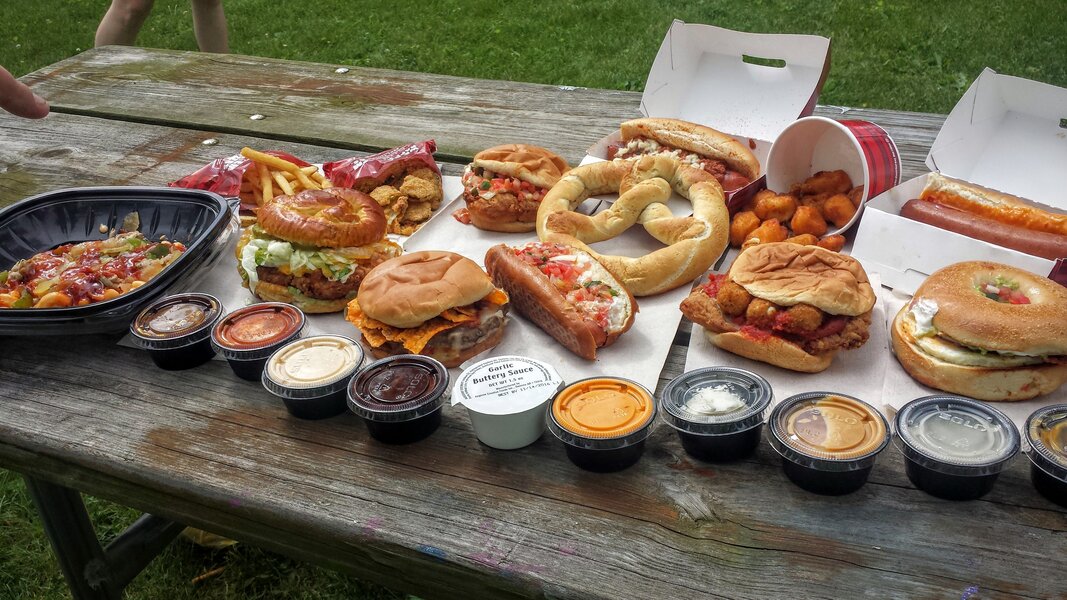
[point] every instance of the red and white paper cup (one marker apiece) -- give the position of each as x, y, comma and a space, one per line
812, 144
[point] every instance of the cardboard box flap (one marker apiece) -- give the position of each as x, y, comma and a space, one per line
1008, 134
747, 84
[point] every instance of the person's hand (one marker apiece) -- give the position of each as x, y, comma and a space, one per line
18, 100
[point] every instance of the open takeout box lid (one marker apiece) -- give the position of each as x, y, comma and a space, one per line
745, 84
748, 85
1006, 134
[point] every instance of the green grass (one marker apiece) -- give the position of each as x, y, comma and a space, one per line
909, 55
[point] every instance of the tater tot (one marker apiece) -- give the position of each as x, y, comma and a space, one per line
832, 242
733, 299
769, 231
775, 207
761, 313
807, 219
816, 200
743, 224
838, 210
856, 195
804, 240
751, 202
824, 182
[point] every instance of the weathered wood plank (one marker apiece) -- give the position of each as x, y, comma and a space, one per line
69, 150
223, 454
366, 108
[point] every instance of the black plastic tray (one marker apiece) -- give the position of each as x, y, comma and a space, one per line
201, 220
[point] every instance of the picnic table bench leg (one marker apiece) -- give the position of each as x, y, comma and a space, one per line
92, 572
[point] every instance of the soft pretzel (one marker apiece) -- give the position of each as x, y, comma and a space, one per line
644, 185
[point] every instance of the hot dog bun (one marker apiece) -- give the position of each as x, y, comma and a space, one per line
1036, 243
990, 204
573, 324
695, 138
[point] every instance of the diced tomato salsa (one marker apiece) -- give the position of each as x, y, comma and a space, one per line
591, 295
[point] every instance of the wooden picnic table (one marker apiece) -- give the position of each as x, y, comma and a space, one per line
446, 517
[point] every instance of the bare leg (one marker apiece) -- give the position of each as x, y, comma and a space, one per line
209, 25
122, 22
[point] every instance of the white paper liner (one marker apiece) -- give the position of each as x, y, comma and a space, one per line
857, 373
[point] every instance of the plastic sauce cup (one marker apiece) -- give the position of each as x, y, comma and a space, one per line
954, 448
828, 441
603, 422
248, 336
400, 397
718, 411
310, 375
506, 398
176, 330
1046, 430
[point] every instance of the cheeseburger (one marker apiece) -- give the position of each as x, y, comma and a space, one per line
312, 249
985, 330
785, 304
437, 304
504, 185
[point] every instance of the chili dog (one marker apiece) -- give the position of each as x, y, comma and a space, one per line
1036, 243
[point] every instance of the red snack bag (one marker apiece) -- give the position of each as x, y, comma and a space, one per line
223, 175
369, 172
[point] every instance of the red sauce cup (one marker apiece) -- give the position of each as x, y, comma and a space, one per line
248, 336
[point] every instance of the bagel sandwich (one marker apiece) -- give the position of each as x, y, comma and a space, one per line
985, 330
565, 292
727, 159
312, 249
785, 304
434, 303
504, 185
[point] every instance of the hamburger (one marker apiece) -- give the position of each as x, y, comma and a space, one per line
312, 249
438, 304
985, 330
788, 305
504, 185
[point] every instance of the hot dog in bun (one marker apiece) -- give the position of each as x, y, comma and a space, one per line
565, 292
312, 249
504, 185
437, 304
785, 304
728, 160
985, 330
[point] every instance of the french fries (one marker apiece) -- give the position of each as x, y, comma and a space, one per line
270, 175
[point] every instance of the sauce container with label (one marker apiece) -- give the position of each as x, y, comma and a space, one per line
954, 448
718, 411
310, 375
248, 336
1046, 430
400, 397
828, 441
176, 330
506, 398
603, 422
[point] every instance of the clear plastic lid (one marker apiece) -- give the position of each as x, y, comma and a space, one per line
602, 413
956, 436
399, 388
1046, 430
312, 367
176, 321
255, 332
715, 401
827, 431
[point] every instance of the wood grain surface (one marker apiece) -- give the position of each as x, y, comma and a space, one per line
368, 109
446, 517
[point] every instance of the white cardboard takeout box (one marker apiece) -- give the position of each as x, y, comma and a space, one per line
748, 85
1006, 134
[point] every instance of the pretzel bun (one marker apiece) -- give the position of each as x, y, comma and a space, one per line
533, 164
534, 295
330, 218
413, 288
953, 336
696, 138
